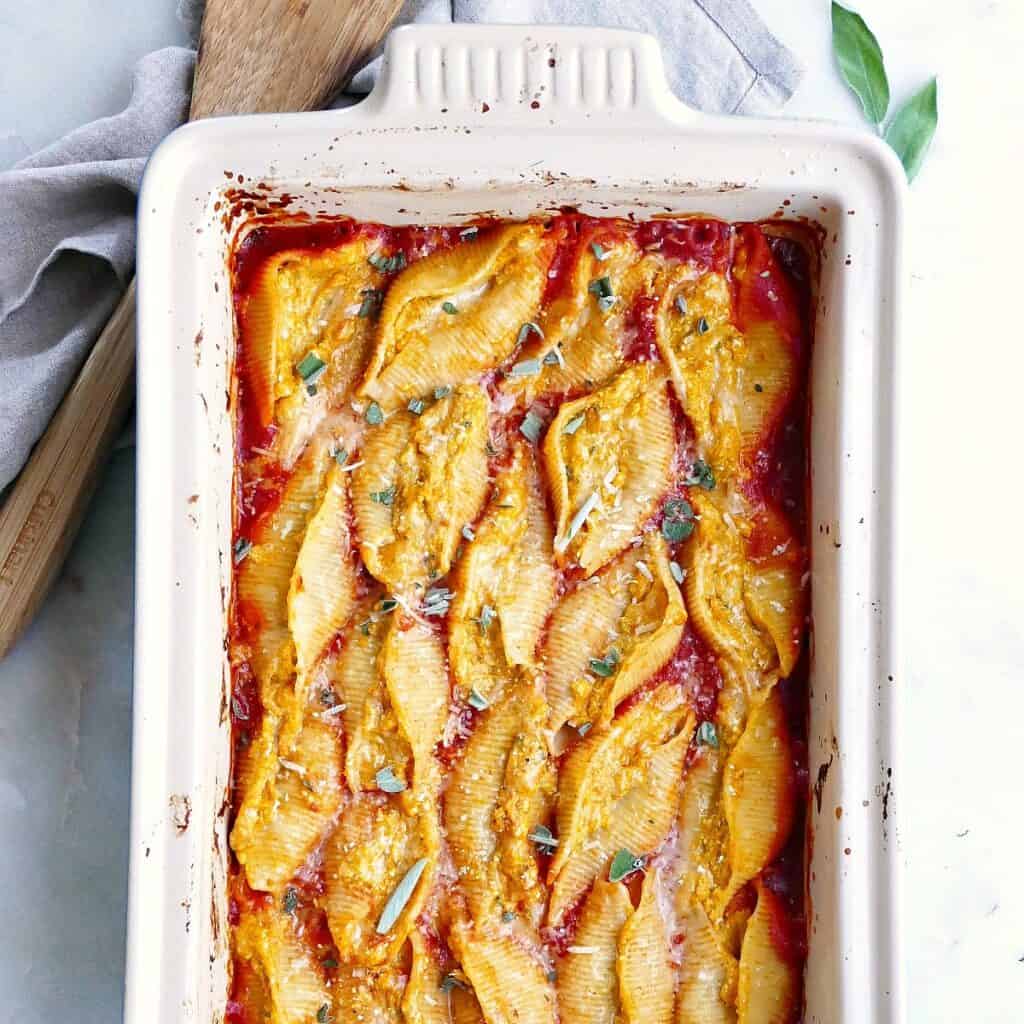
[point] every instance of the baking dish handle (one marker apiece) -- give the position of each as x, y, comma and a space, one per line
540, 76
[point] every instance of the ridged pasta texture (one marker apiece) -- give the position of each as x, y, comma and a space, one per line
517, 622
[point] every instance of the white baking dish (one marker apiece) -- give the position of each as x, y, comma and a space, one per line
472, 119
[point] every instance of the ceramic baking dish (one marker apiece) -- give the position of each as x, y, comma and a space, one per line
468, 120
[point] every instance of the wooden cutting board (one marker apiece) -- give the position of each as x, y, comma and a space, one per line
254, 56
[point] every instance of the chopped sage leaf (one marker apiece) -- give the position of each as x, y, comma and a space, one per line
450, 981
469, 233
681, 304
707, 735
527, 368
364, 627
552, 975
385, 497
543, 836
311, 365
678, 573
442, 392
703, 326
678, 522
290, 901
372, 299
477, 700
323, 1015
388, 782
584, 727
238, 711
449, 307
330, 963
605, 667
701, 475
524, 331
467, 533
241, 549
400, 897
374, 414
387, 264
531, 427
599, 251
601, 287
574, 424
508, 915
416, 406
328, 697
624, 864
554, 357
340, 456
387, 604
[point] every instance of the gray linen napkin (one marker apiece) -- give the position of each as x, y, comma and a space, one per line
67, 214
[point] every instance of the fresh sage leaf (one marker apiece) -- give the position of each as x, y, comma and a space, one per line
860, 60
400, 897
910, 131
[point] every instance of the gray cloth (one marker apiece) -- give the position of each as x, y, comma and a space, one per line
67, 214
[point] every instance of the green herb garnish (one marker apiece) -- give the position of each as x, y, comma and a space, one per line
387, 604
574, 424
605, 667
707, 735
449, 307
290, 901
469, 233
703, 326
701, 475
681, 304
554, 357
477, 700
862, 66
467, 533
442, 392
507, 915
543, 837
372, 300
311, 368
374, 414
387, 264
526, 368
584, 727
385, 497
602, 288
624, 864
238, 711
328, 697
340, 456
677, 524
388, 782
524, 332
416, 406
450, 981
241, 549
323, 1015
400, 897
531, 427
678, 573
599, 252
330, 963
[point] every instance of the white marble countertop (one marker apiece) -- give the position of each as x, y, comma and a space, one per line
66, 689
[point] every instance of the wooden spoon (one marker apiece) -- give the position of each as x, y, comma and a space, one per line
254, 56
